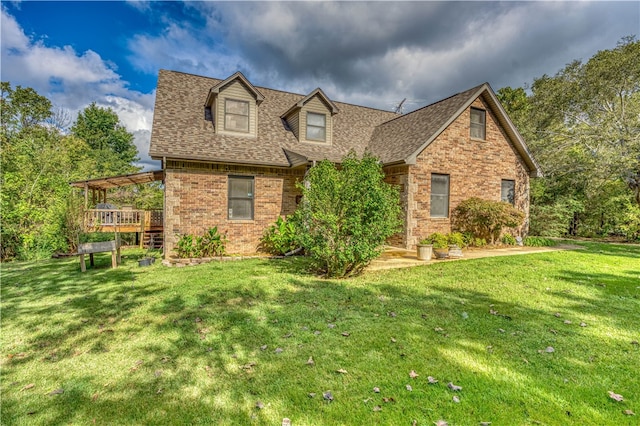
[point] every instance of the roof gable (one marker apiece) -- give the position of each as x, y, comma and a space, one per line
317, 92
402, 139
215, 90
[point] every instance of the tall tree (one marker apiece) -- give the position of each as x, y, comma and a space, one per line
583, 126
111, 144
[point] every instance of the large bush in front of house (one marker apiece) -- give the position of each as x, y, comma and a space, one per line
210, 244
485, 219
346, 214
279, 238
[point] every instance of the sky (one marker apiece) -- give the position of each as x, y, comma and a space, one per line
367, 53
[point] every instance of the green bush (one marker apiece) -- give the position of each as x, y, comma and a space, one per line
485, 219
346, 215
456, 238
279, 238
479, 242
184, 246
509, 240
212, 243
539, 242
437, 239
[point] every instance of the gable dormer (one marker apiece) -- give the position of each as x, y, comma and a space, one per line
233, 106
311, 118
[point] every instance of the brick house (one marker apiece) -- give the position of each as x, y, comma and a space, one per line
232, 154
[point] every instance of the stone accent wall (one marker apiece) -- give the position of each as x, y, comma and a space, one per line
475, 168
196, 200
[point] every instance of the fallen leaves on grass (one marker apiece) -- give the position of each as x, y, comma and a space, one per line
263, 347
583, 324
376, 389
59, 391
29, 386
456, 399
393, 340
441, 423
453, 387
328, 396
567, 322
432, 380
345, 334
259, 405
392, 314
629, 413
311, 395
388, 399
409, 388
413, 374
330, 325
279, 350
341, 371
377, 408
615, 396
310, 361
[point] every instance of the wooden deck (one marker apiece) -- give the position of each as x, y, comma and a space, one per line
122, 220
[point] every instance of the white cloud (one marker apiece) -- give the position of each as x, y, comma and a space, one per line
72, 80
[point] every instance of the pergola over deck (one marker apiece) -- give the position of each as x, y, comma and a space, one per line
119, 220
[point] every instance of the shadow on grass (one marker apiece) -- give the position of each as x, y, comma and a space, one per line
205, 339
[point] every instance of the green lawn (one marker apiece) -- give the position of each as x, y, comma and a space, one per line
161, 345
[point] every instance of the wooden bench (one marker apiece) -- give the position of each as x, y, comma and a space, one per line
101, 247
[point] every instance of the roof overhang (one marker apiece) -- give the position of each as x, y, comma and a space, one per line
118, 181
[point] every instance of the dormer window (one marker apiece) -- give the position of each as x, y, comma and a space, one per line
236, 115
316, 127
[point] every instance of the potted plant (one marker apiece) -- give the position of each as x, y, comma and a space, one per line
456, 243
440, 245
424, 250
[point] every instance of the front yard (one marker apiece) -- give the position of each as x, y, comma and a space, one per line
532, 339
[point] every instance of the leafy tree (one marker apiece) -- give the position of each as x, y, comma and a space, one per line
111, 144
346, 215
583, 126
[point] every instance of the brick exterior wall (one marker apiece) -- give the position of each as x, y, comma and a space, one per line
196, 200
475, 168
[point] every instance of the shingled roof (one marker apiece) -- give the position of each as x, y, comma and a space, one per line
181, 130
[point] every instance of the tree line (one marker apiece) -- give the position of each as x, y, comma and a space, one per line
583, 127
42, 151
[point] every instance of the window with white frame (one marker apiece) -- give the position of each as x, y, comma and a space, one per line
478, 123
240, 197
316, 127
439, 195
508, 191
236, 115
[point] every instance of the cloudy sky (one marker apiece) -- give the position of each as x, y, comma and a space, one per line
373, 54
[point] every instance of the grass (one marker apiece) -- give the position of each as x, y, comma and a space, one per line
160, 345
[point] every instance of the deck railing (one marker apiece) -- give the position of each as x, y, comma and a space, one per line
110, 220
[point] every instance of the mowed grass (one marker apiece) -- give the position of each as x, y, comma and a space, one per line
161, 345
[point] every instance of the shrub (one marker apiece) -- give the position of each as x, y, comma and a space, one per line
484, 218
279, 238
184, 246
539, 242
437, 239
479, 242
212, 243
509, 240
346, 215
456, 238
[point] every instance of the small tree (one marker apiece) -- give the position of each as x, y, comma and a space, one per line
484, 218
346, 215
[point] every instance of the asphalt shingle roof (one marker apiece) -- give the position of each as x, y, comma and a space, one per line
181, 131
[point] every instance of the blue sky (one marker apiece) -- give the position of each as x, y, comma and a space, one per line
371, 54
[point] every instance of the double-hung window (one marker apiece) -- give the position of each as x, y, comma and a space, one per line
439, 195
478, 123
316, 127
240, 198
508, 191
236, 115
